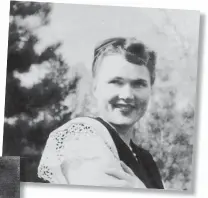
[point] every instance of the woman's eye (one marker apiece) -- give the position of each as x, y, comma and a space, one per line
116, 82
139, 85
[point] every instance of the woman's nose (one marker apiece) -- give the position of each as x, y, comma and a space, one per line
126, 92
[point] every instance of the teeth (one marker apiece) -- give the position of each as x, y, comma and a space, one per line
124, 107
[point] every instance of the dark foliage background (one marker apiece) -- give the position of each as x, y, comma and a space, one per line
35, 111
32, 112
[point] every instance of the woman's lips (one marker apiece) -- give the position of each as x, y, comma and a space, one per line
125, 108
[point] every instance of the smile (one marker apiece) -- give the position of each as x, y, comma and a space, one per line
124, 107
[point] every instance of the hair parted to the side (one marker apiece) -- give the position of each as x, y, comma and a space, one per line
133, 50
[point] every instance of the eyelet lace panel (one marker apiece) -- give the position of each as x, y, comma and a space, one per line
74, 143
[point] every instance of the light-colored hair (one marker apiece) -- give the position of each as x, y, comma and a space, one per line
133, 50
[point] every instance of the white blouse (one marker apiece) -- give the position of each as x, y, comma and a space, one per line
77, 153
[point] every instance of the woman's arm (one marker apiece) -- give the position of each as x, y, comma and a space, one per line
86, 159
76, 154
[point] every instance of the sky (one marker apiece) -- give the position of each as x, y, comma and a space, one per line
81, 27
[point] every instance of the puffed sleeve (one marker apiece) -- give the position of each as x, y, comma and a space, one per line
76, 155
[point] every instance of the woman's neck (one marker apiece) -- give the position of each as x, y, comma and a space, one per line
125, 132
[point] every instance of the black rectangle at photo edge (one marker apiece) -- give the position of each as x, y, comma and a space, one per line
10, 177
54, 57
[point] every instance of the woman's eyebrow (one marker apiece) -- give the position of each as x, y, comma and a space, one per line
137, 81
117, 78
134, 81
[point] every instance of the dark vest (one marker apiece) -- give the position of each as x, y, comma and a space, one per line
144, 167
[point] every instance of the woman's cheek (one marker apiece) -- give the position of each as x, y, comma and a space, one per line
143, 94
110, 91
142, 101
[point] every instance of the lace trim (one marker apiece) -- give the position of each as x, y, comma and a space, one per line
53, 156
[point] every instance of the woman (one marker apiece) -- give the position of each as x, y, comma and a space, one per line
100, 151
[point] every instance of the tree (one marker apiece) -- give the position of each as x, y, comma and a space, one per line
32, 112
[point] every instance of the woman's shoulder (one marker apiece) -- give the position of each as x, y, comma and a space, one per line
75, 125
84, 129
80, 121
83, 126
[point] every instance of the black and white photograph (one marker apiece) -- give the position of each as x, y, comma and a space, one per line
102, 96
9, 177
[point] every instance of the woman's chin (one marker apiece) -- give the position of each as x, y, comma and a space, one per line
123, 120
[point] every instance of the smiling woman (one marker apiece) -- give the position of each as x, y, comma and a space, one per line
127, 90
100, 151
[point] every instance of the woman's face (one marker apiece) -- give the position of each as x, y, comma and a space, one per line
122, 90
